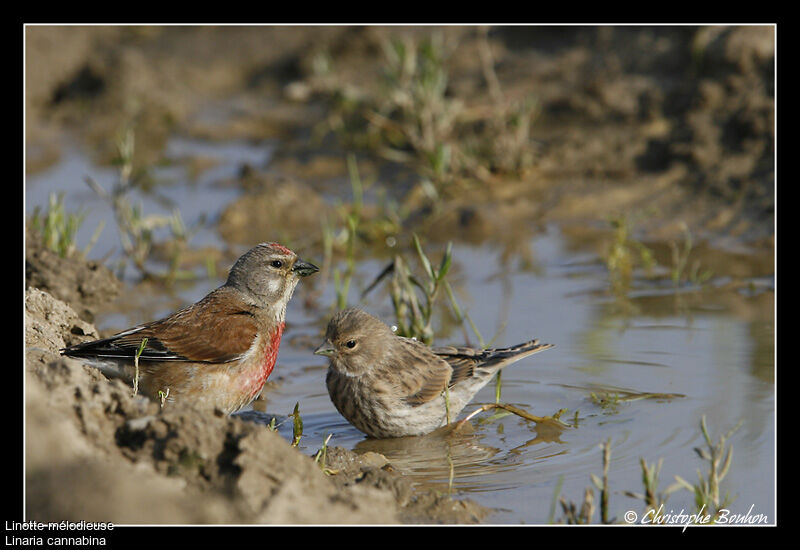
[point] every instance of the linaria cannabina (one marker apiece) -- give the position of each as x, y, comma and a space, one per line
390, 386
218, 352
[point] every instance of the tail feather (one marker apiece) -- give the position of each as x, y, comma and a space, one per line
467, 362
111, 368
120, 347
112, 360
501, 357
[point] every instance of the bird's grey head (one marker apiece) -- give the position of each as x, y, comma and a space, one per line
268, 274
355, 341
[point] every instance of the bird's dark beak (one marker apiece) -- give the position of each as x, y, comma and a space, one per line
325, 349
304, 269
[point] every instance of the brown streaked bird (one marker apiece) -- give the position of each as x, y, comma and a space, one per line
218, 352
390, 386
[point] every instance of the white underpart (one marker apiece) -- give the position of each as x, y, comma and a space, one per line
288, 290
110, 367
274, 285
243, 357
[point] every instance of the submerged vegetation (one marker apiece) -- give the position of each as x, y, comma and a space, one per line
626, 255
137, 230
707, 489
413, 297
682, 270
58, 228
708, 504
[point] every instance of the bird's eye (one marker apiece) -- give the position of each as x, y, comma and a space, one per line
276, 263
350, 344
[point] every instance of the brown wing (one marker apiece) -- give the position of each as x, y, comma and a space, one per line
424, 375
219, 328
461, 360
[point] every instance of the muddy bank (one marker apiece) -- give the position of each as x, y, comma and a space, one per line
86, 286
97, 453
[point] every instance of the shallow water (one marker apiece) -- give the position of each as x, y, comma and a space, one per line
199, 197
712, 359
711, 349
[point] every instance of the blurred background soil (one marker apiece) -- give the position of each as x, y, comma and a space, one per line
680, 118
